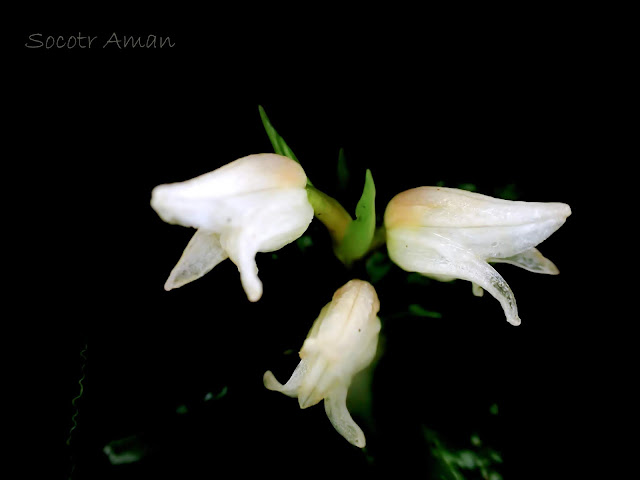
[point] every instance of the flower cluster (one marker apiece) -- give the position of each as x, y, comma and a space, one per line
261, 203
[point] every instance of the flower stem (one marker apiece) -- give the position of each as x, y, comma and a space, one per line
329, 211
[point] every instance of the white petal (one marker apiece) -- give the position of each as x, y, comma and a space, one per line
242, 251
351, 315
185, 203
203, 252
490, 227
335, 406
263, 222
280, 218
263, 171
531, 260
454, 208
500, 241
342, 341
320, 376
313, 332
432, 255
291, 387
486, 277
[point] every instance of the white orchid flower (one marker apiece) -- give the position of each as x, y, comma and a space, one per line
446, 233
341, 343
254, 204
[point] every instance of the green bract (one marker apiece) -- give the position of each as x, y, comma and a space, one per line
359, 234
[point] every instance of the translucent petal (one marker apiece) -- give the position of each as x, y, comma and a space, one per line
203, 252
531, 260
483, 274
498, 241
335, 406
437, 256
291, 387
319, 378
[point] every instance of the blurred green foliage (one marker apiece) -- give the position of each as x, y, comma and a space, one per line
476, 462
470, 187
377, 265
304, 242
507, 192
418, 311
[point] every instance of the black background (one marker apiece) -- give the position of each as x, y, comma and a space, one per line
453, 98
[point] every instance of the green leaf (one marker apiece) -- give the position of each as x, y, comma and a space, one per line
278, 143
359, 234
418, 311
343, 170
